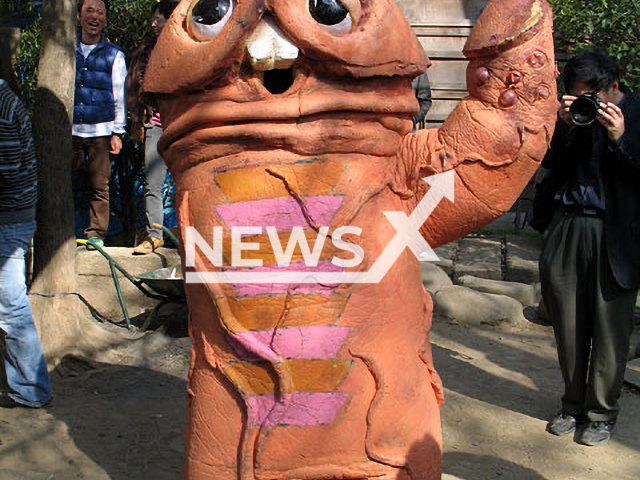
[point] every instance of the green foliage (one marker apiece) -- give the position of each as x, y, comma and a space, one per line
611, 25
128, 25
14, 8
26, 63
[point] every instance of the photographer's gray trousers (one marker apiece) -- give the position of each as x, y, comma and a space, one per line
591, 315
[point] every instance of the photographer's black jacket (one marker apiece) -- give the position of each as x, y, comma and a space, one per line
574, 158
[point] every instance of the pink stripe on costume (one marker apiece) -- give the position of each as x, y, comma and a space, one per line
253, 289
298, 409
282, 213
319, 341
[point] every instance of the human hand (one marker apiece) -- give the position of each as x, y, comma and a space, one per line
116, 144
565, 106
611, 117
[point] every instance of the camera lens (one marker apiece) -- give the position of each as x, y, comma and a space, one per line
584, 110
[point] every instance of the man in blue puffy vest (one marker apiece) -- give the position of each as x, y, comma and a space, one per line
99, 114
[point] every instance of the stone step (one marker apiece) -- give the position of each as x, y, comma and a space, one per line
96, 285
447, 254
471, 307
632, 374
434, 278
92, 262
479, 257
521, 258
522, 292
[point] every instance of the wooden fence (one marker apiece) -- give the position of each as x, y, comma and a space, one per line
442, 26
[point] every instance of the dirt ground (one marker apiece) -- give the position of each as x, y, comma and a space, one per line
125, 419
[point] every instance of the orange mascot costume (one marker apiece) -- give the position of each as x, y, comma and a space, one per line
304, 202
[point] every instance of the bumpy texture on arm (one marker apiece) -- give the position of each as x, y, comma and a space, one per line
496, 138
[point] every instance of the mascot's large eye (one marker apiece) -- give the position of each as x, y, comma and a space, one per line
206, 18
331, 14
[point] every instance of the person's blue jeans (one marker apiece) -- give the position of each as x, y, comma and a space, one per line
25, 366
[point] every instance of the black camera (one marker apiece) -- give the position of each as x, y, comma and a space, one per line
584, 109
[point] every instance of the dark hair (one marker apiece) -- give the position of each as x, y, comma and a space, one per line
165, 7
106, 5
594, 68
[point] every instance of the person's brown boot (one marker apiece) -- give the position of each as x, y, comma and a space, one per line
149, 245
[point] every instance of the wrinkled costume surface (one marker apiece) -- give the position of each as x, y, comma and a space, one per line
331, 380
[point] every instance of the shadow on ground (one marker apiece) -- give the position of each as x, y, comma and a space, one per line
464, 466
529, 381
130, 422
502, 384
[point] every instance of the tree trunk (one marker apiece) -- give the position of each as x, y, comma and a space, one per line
61, 319
54, 265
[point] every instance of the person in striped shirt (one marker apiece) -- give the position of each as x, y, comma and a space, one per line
26, 371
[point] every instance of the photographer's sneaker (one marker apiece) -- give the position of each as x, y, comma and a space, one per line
594, 433
562, 423
150, 245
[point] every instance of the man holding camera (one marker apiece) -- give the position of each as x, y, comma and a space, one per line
590, 263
